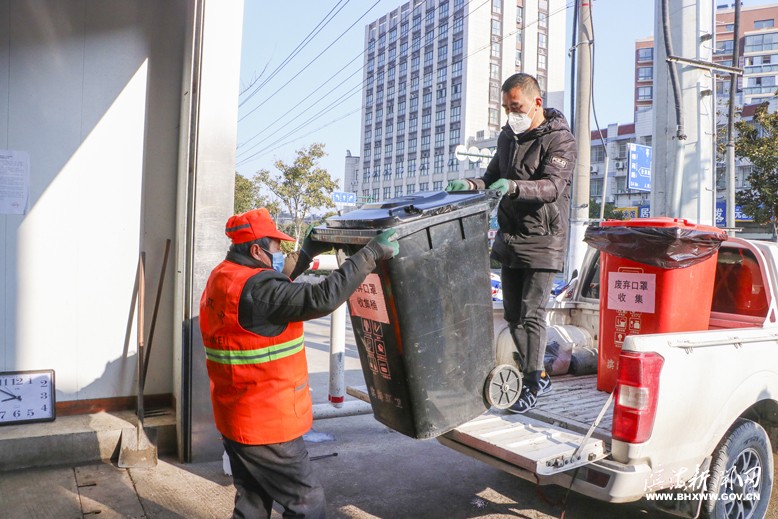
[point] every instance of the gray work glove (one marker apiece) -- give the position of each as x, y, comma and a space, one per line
384, 246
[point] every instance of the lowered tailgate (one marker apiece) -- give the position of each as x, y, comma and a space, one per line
525, 442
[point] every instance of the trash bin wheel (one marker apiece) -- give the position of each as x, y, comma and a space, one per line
503, 386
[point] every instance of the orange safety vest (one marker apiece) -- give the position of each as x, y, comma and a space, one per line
259, 385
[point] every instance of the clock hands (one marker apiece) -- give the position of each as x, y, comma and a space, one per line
13, 397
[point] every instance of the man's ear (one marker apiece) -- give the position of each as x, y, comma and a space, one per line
256, 252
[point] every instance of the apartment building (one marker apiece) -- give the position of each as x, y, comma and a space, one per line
758, 50
432, 78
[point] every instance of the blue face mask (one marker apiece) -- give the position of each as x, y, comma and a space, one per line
277, 259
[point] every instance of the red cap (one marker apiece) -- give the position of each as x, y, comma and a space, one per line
253, 225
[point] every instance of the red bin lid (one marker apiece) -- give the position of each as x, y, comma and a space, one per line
661, 221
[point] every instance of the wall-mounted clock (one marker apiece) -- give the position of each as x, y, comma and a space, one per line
27, 396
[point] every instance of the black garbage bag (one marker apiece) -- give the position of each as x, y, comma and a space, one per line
664, 247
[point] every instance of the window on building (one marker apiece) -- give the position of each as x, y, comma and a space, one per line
411, 167
518, 58
542, 20
443, 31
494, 93
459, 24
417, 23
437, 185
379, 115
598, 154
456, 47
494, 115
764, 24
369, 118
426, 122
392, 54
375, 198
645, 73
442, 73
415, 64
595, 187
453, 163
430, 18
410, 188
424, 186
646, 54
388, 149
429, 38
496, 27
519, 15
371, 45
496, 50
440, 117
412, 145
542, 41
427, 100
455, 113
441, 93
541, 61
724, 47
387, 193
381, 60
542, 84
453, 136
412, 126
456, 69
645, 93
428, 58
761, 42
443, 10
456, 91
401, 111
497, 6
494, 71
389, 129
398, 191
443, 53
543, 5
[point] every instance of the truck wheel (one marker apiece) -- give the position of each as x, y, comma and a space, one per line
503, 386
741, 474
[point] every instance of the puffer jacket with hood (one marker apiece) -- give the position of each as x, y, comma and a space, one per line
533, 220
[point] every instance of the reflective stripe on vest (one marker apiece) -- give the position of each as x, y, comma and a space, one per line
259, 356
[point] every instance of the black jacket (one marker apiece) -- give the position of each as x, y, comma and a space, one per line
269, 300
533, 221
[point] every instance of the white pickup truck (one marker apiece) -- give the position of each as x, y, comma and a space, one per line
690, 422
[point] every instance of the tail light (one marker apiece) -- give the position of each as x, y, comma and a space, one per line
636, 396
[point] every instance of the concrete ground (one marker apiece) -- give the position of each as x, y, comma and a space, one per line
368, 471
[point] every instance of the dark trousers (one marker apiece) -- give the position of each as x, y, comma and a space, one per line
525, 293
279, 472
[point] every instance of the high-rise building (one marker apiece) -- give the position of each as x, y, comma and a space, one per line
758, 50
432, 78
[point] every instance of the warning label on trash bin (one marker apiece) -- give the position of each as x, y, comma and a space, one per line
367, 301
631, 292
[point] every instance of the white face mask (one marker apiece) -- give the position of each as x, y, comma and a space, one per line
519, 122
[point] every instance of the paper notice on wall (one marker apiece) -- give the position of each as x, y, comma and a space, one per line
367, 301
632, 292
14, 181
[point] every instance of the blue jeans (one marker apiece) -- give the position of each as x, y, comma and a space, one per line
525, 293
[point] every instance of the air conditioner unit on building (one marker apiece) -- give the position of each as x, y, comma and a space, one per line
594, 168
611, 199
620, 164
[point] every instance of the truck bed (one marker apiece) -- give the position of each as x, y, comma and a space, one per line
544, 441
574, 403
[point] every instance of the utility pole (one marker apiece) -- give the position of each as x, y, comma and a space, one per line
579, 212
731, 127
682, 176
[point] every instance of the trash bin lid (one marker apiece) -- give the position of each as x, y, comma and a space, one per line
661, 221
395, 211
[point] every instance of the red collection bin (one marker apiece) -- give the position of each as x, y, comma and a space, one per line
656, 275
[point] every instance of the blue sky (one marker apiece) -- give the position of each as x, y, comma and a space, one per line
315, 96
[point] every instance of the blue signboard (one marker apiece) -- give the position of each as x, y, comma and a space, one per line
721, 214
639, 167
342, 197
644, 211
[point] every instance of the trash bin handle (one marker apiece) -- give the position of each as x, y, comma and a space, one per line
633, 270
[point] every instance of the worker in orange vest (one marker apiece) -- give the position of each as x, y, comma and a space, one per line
251, 318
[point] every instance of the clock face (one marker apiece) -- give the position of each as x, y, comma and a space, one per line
26, 396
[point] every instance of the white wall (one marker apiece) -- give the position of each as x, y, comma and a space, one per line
93, 95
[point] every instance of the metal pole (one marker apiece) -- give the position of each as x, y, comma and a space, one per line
730, 223
579, 214
573, 50
604, 186
337, 356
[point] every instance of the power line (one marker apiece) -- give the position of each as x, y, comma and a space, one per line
309, 63
264, 150
300, 46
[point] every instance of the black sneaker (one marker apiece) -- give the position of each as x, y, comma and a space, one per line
545, 384
526, 401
